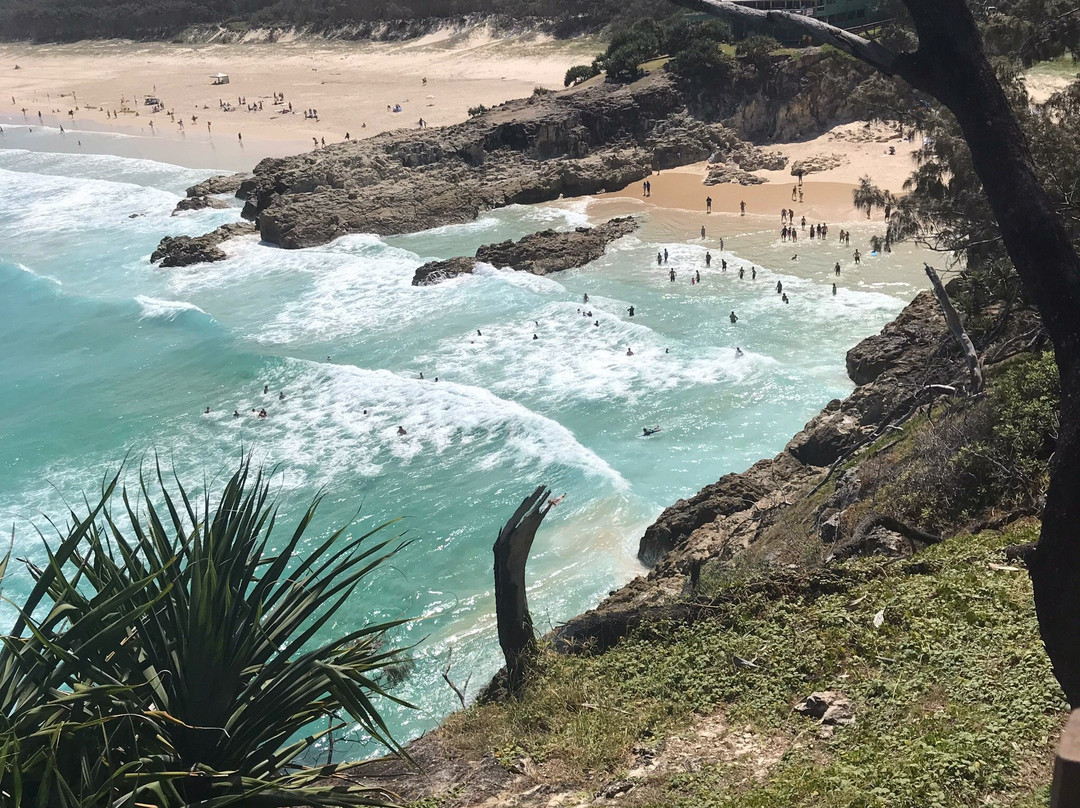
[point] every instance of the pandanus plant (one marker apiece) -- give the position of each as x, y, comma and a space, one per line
180, 659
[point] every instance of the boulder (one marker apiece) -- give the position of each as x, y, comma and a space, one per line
828, 706
539, 253
199, 203
819, 162
436, 271
182, 251
221, 184
724, 173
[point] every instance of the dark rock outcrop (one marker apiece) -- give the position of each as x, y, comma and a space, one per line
819, 162
538, 253
554, 250
576, 142
220, 184
182, 251
436, 271
199, 203
723, 173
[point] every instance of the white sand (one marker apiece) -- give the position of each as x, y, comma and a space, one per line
350, 84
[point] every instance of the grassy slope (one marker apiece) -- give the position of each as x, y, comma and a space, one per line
954, 698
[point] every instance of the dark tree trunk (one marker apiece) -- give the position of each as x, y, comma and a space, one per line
951, 66
511, 605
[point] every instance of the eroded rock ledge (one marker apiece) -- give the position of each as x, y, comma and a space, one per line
182, 251
538, 253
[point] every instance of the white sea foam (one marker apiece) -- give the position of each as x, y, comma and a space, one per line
153, 308
321, 424
134, 171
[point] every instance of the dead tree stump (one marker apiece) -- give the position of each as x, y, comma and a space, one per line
511, 549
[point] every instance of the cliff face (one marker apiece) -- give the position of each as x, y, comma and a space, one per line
790, 99
729, 517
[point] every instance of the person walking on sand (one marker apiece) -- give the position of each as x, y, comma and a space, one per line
240, 137
733, 318
708, 204
644, 189
794, 191
742, 208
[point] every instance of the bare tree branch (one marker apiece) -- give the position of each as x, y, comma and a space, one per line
870, 52
952, 319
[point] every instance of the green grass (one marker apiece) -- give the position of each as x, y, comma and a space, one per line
955, 701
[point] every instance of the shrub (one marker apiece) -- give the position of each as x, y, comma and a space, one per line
580, 73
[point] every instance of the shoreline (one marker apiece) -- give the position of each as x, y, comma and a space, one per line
354, 86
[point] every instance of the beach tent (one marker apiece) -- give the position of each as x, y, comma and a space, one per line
220, 78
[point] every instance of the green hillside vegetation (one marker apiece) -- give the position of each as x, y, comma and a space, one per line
954, 699
955, 703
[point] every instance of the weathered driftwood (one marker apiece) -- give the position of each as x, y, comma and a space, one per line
855, 544
952, 319
511, 549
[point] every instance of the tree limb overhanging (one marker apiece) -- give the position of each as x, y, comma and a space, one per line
872, 53
950, 65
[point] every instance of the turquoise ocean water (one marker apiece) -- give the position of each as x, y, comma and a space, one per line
105, 357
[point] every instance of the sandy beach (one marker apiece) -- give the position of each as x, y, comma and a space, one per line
354, 87
97, 92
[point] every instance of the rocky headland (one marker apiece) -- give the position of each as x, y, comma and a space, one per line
571, 143
538, 253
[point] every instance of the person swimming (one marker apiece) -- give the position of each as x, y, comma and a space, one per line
401, 431
206, 411
281, 395
738, 351
646, 431
629, 352
262, 413
236, 413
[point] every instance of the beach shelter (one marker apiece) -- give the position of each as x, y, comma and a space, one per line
220, 78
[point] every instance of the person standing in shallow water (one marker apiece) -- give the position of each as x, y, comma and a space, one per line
742, 208
631, 311
857, 256
836, 269
733, 318
659, 259
665, 255
708, 258
671, 275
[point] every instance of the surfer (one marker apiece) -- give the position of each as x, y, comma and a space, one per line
646, 431
631, 311
555, 501
738, 352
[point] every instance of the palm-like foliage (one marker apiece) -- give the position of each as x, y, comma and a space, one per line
178, 659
